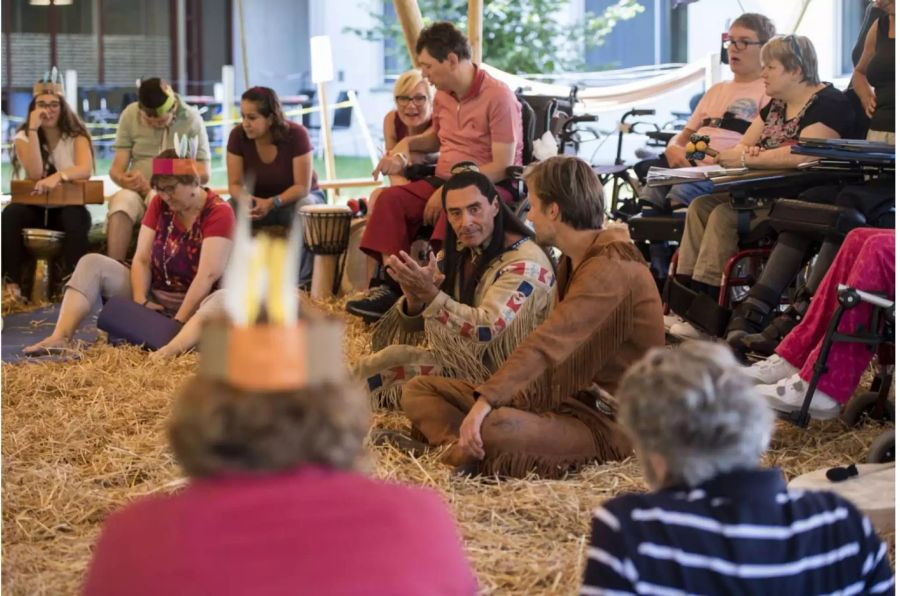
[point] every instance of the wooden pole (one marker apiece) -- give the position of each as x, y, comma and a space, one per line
476, 17
411, 22
326, 140
240, 9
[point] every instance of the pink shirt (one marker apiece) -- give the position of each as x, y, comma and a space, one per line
743, 100
307, 531
488, 113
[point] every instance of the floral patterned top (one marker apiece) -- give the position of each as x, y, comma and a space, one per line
827, 106
175, 255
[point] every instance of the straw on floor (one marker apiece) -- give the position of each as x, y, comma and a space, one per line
84, 438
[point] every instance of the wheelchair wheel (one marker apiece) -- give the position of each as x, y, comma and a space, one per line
623, 196
882, 449
866, 405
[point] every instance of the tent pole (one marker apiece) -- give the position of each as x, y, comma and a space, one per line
476, 18
411, 22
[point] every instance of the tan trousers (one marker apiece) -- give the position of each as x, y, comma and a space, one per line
516, 442
710, 237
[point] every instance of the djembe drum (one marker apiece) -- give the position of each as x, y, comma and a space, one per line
326, 233
43, 245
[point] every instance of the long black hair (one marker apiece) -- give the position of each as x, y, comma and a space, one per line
505, 221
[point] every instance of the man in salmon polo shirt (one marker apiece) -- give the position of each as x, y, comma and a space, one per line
476, 118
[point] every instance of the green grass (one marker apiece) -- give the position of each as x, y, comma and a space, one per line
345, 167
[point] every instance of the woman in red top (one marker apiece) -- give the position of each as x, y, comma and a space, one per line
412, 116
182, 248
275, 502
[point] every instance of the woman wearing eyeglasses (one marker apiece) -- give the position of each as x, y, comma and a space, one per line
182, 248
801, 106
52, 146
412, 115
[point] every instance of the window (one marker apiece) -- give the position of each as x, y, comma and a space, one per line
852, 15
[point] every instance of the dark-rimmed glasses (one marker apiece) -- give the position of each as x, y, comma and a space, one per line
739, 44
417, 100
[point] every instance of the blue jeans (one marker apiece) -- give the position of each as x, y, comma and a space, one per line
677, 195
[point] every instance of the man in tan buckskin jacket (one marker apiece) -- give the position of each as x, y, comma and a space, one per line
549, 409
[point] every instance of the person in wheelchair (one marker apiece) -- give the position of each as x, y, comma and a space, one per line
865, 262
476, 118
752, 327
724, 113
801, 106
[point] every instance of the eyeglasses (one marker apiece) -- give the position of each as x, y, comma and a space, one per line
166, 190
47, 105
418, 100
739, 44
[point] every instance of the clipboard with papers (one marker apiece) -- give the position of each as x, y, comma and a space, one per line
669, 176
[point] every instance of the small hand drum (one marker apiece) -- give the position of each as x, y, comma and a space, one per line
326, 233
44, 245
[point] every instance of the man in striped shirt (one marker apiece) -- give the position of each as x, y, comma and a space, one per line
717, 523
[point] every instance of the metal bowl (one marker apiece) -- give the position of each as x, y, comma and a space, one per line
43, 244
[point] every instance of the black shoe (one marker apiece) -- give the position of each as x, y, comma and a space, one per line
382, 436
750, 317
373, 306
765, 342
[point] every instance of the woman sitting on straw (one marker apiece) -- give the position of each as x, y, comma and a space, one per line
276, 504
182, 248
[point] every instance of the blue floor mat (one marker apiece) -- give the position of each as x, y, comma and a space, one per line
25, 328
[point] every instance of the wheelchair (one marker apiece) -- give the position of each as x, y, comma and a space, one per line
749, 192
878, 334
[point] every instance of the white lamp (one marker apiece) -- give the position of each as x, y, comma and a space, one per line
47, 2
322, 72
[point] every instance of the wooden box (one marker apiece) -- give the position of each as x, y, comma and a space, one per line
79, 192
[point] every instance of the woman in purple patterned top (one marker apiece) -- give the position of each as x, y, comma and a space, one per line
182, 248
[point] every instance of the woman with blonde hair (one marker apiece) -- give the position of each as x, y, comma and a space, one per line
410, 116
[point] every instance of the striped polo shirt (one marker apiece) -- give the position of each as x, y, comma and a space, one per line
740, 533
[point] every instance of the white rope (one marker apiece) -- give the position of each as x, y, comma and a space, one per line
598, 99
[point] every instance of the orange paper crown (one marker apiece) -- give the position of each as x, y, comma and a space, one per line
273, 358
175, 167
287, 351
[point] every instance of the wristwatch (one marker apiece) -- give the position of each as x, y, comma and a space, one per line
276, 201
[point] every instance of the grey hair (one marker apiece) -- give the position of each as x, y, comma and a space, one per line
793, 51
694, 407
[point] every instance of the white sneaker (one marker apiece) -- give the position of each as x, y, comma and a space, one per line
787, 395
671, 319
771, 370
685, 330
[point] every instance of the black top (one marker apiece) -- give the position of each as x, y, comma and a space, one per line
828, 106
881, 76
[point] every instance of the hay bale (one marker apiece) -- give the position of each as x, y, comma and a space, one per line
82, 439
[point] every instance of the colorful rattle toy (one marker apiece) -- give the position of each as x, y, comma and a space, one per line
698, 148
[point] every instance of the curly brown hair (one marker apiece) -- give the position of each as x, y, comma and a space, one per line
216, 428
